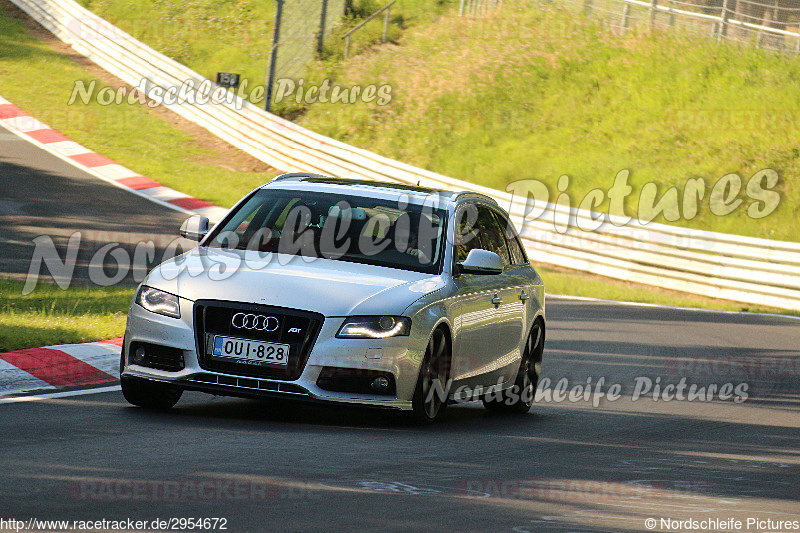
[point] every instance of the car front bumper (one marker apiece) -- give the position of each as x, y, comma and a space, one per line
393, 355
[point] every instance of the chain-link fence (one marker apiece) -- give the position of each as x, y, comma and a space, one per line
304, 25
476, 7
773, 24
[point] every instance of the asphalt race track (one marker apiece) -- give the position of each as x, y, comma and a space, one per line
42, 195
566, 466
563, 467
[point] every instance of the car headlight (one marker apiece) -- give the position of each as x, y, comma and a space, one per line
374, 327
157, 301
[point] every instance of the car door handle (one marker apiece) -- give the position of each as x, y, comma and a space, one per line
497, 300
524, 296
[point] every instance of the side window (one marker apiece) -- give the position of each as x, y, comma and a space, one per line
479, 227
467, 234
492, 234
515, 251
517, 254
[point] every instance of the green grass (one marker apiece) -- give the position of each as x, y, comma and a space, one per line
567, 282
533, 93
131, 135
206, 35
50, 315
470, 101
529, 91
211, 36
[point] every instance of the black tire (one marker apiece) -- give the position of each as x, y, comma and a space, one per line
530, 367
150, 394
427, 405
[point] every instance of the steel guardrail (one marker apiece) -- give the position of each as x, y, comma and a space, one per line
719, 265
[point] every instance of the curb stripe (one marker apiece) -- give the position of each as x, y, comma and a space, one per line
95, 363
91, 159
115, 172
57, 368
191, 203
101, 355
11, 111
47, 136
14, 381
67, 148
101, 167
24, 123
139, 182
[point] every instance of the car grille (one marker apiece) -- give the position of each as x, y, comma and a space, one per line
296, 328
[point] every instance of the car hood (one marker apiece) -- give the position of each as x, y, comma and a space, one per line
333, 288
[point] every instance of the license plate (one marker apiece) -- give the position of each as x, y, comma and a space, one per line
250, 350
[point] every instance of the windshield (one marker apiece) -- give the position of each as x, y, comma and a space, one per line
359, 229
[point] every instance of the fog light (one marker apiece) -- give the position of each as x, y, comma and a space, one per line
138, 355
380, 384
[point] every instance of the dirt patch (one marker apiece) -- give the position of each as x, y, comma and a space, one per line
217, 152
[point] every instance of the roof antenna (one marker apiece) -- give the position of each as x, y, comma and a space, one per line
418, 182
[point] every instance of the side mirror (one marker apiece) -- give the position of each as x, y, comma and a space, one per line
481, 262
195, 227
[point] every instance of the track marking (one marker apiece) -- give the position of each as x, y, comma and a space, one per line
663, 306
62, 394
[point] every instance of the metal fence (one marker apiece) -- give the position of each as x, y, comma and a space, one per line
385, 10
719, 265
772, 24
305, 24
476, 7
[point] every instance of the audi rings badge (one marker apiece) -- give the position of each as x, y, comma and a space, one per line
255, 322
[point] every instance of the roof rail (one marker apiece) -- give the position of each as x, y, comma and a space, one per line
471, 194
296, 175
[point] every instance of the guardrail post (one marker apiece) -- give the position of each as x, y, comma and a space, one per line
121, 58
626, 16
779, 38
386, 22
385, 9
322, 25
723, 31
764, 23
671, 16
461, 9
274, 56
653, 4
587, 7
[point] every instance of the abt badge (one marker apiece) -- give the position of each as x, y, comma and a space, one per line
294, 330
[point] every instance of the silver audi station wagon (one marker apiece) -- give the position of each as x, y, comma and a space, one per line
347, 291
